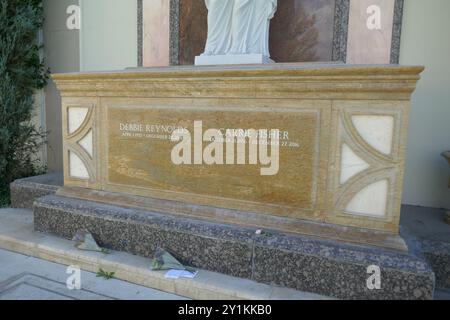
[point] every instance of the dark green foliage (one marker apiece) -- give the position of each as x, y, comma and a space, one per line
21, 74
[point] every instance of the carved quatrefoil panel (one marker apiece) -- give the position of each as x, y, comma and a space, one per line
366, 164
79, 143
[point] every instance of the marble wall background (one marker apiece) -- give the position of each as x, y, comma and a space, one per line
155, 32
192, 30
174, 31
302, 30
365, 46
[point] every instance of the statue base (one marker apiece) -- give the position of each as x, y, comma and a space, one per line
207, 60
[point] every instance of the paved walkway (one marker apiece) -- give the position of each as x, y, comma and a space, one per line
28, 278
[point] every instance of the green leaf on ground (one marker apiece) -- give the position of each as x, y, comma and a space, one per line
105, 274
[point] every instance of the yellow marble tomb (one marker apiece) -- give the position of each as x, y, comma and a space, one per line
301, 142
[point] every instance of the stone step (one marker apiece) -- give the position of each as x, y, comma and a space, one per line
17, 235
25, 191
303, 263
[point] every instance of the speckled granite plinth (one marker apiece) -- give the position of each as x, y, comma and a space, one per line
438, 255
431, 239
25, 191
331, 269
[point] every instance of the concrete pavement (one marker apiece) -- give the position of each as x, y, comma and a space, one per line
27, 278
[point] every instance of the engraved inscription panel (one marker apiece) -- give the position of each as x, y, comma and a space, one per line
140, 149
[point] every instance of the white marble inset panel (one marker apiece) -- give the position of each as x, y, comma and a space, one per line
77, 169
377, 131
76, 117
351, 164
87, 143
370, 201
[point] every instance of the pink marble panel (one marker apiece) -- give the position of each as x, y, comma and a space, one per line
156, 33
368, 41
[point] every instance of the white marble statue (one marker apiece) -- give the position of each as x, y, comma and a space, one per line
239, 27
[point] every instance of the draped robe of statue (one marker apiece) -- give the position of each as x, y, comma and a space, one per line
239, 26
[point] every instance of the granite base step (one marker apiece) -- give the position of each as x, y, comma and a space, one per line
432, 239
327, 268
25, 191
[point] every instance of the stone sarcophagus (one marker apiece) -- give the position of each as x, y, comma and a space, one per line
301, 148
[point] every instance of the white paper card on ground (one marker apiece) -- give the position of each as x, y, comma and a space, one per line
176, 274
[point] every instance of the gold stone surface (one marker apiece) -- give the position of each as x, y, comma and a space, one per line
143, 159
132, 112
